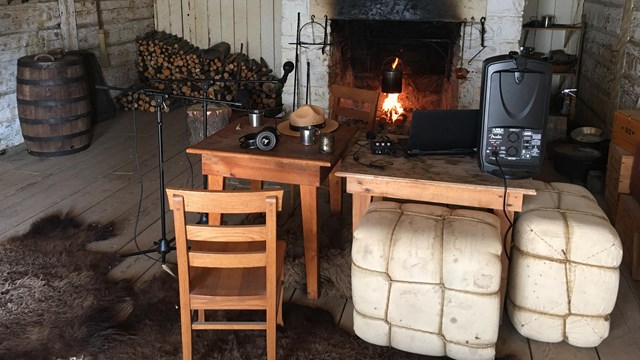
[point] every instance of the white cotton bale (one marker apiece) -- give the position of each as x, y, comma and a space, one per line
563, 276
426, 279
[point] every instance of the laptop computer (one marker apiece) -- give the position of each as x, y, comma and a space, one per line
443, 132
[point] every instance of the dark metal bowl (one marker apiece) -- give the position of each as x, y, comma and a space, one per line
587, 135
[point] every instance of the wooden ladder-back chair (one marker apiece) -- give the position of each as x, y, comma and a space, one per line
348, 103
228, 267
360, 98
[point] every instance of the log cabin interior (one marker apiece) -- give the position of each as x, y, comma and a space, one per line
528, 248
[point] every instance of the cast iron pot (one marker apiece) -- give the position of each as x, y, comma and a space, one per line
575, 160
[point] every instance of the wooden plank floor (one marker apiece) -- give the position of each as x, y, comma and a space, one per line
102, 183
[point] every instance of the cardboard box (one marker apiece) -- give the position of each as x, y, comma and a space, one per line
617, 178
635, 175
626, 129
628, 228
619, 165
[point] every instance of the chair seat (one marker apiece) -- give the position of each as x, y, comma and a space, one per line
247, 282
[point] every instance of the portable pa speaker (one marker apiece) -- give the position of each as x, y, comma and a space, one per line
514, 108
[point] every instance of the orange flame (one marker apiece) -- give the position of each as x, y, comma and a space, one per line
392, 107
395, 63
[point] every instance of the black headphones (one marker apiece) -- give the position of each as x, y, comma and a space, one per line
265, 139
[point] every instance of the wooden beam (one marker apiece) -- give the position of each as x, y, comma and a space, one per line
68, 26
267, 34
162, 18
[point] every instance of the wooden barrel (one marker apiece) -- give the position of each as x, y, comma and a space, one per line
54, 106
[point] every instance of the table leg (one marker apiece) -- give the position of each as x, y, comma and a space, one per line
335, 191
360, 204
309, 207
215, 183
504, 227
255, 185
504, 231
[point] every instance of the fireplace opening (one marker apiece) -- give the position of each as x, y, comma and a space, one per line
427, 52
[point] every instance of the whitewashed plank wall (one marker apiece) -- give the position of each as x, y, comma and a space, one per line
253, 26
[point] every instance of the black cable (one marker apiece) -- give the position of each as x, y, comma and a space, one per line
378, 164
190, 170
504, 207
187, 155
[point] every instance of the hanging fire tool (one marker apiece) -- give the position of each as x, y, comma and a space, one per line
461, 72
483, 31
306, 44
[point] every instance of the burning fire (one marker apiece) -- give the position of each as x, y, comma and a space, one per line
392, 107
395, 63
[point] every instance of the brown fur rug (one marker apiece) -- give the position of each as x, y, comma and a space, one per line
56, 303
334, 258
54, 298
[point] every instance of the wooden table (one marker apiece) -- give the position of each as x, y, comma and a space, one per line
455, 180
289, 162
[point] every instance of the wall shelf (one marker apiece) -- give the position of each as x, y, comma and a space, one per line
566, 74
562, 70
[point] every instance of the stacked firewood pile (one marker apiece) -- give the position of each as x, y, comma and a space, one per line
171, 64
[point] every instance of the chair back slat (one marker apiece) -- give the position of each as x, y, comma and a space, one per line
353, 113
363, 104
227, 233
227, 260
228, 202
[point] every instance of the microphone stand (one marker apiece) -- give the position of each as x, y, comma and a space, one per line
287, 68
204, 217
162, 246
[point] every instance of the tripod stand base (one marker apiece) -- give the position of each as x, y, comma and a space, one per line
163, 247
171, 269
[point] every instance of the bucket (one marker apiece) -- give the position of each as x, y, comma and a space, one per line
392, 77
54, 106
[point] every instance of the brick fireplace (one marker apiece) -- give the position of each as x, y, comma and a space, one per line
433, 30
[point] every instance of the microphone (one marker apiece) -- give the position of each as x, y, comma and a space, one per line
287, 67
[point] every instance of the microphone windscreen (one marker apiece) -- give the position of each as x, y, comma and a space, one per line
287, 67
243, 96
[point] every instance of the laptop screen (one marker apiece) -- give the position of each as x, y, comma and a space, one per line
444, 131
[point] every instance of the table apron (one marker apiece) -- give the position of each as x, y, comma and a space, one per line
447, 193
275, 170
